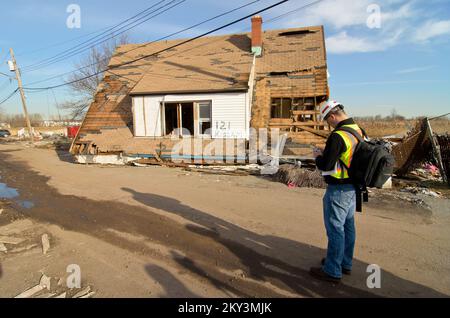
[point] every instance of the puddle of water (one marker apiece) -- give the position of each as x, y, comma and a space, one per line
7, 192
26, 204
11, 193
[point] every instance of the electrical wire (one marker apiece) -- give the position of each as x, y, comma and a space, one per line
104, 39
108, 31
148, 43
163, 50
9, 97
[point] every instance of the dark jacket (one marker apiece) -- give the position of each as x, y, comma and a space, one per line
335, 146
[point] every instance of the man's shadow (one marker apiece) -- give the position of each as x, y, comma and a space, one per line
270, 259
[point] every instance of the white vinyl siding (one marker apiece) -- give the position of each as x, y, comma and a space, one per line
229, 113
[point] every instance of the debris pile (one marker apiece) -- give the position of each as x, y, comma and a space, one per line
295, 176
422, 190
53, 287
428, 171
415, 199
444, 145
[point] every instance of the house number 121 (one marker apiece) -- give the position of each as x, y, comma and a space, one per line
223, 125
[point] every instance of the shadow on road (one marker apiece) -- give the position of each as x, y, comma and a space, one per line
235, 260
255, 254
173, 288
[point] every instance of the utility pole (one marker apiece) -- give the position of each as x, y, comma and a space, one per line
22, 95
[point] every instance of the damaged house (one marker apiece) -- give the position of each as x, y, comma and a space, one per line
212, 89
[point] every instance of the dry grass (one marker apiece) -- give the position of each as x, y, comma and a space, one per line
383, 128
40, 129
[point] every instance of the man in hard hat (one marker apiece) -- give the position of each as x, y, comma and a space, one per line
339, 202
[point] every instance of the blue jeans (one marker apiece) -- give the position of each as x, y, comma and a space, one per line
339, 205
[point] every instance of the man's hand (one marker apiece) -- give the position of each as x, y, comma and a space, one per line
317, 152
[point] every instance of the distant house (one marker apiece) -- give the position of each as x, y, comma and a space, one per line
213, 88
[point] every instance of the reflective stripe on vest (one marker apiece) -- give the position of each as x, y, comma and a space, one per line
346, 157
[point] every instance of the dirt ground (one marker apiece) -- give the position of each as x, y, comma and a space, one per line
161, 232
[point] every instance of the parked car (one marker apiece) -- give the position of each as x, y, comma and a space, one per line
5, 133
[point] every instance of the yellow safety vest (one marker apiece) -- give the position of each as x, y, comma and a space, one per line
346, 157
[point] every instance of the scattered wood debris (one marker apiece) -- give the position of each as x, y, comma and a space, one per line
10, 240
44, 283
45, 243
47, 289
82, 293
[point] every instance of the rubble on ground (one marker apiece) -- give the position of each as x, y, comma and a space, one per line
53, 287
16, 239
295, 176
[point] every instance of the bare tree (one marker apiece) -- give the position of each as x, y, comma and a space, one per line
84, 82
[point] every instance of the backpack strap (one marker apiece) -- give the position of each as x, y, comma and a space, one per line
353, 132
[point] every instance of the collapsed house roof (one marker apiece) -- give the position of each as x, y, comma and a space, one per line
208, 64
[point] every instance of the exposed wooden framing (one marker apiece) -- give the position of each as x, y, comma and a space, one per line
315, 115
179, 120
304, 112
321, 133
299, 124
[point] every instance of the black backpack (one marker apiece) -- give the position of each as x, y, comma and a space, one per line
372, 165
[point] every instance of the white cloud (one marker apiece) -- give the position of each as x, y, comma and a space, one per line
415, 69
337, 13
432, 29
342, 43
349, 19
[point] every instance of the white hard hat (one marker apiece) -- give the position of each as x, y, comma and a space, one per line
328, 106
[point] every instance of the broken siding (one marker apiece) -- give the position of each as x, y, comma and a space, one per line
147, 116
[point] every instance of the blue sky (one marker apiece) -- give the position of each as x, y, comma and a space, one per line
382, 54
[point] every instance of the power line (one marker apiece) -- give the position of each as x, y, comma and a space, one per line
163, 50
103, 39
61, 43
157, 40
9, 96
108, 30
293, 11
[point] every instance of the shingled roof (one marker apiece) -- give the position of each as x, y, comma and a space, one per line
218, 63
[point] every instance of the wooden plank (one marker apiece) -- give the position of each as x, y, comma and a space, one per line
298, 124
321, 133
286, 121
305, 112
10, 240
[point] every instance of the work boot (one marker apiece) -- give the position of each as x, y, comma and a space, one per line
344, 271
317, 272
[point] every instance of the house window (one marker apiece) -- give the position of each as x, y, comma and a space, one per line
281, 108
204, 118
187, 119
